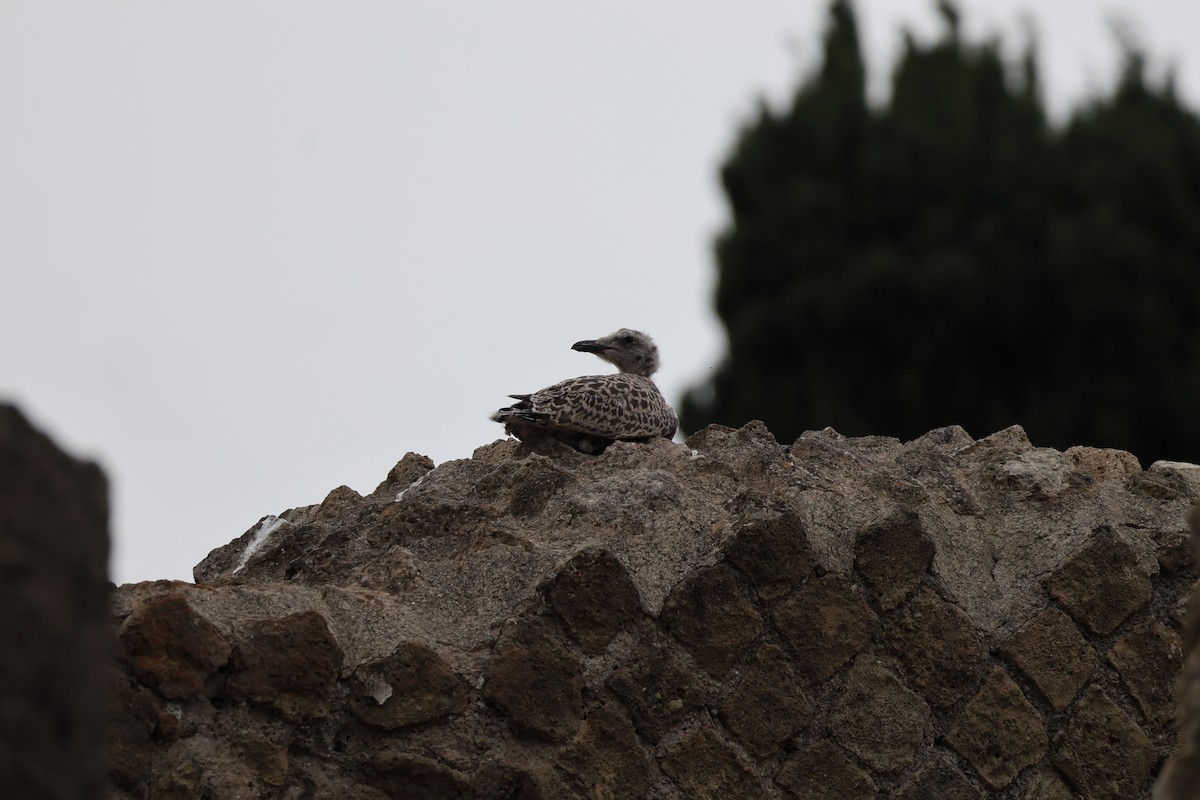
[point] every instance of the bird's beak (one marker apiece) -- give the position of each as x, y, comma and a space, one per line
591, 346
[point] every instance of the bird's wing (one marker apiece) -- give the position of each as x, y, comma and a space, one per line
617, 406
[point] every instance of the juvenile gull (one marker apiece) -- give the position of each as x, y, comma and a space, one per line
591, 412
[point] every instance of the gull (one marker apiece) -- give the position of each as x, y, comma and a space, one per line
591, 412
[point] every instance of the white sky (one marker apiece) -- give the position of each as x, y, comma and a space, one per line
255, 250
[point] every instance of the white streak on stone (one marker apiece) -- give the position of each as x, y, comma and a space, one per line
269, 525
400, 494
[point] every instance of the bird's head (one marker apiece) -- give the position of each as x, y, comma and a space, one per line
628, 350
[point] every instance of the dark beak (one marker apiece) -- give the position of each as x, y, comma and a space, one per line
591, 346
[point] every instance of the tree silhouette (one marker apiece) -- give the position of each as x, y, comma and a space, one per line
952, 258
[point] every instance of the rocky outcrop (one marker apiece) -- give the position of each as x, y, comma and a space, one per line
54, 622
730, 617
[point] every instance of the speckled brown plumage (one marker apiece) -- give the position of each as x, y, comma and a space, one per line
592, 411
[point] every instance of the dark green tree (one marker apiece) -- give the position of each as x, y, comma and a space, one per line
952, 258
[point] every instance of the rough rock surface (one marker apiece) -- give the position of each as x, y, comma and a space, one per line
729, 617
54, 625
1181, 775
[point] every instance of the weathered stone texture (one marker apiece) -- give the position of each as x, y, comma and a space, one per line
606, 759
406, 775
768, 705
877, 719
659, 688
827, 622
1148, 658
535, 681
542, 781
1181, 775
1102, 584
703, 766
219, 766
171, 648
1046, 784
712, 618
939, 780
410, 686
999, 732
892, 557
772, 550
594, 596
1050, 651
1103, 754
734, 617
265, 759
823, 772
288, 665
936, 643
136, 713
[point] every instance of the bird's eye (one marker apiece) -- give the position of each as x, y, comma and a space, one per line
626, 340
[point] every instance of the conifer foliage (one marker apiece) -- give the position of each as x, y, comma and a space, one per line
954, 258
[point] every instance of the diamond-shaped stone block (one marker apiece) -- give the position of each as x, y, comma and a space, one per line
823, 772
827, 622
878, 719
704, 767
659, 686
408, 687
1051, 653
893, 557
1148, 658
772, 550
768, 705
1104, 754
594, 596
712, 618
1102, 584
936, 643
606, 757
941, 780
536, 681
999, 732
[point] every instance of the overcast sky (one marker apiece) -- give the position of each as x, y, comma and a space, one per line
256, 250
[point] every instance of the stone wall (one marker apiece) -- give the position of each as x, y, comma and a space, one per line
838, 618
